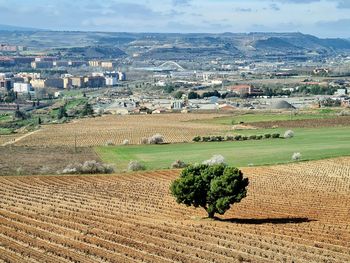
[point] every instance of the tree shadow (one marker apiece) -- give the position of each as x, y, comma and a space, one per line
259, 221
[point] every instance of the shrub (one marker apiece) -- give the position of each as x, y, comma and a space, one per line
109, 143
205, 139
88, 167
267, 135
244, 138
252, 137
144, 140
212, 187
216, 159
230, 138
136, 166
238, 137
259, 137
197, 139
126, 142
275, 135
178, 164
296, 156
344, 113
288, 134
156, 139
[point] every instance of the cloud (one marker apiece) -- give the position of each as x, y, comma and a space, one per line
244, 10
344, 4
181, 2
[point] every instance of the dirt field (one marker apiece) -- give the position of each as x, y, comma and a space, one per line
18, 160
115, 129
312, 123
293, 213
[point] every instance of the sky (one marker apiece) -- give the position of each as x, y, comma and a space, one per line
323, 18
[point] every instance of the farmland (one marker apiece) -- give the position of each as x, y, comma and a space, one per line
115, 129
293, 213
312, 143
41, 160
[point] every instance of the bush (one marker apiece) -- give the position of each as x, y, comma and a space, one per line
252, 137
238, 137
230, 138
296, 156
109, 143
259, 137
197, 139
178, 164
88, 167
275, 135
136, 166
144, 140
205, 139
212, 187
156, 139
288, 134
126, 142
216, 159
244, 138
344, 113
267, 136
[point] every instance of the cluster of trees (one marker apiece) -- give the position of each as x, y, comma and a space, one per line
85, 110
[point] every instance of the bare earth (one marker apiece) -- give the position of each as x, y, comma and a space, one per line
293, 213
116, 129
19, 160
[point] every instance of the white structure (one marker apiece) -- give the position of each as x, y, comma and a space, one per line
121, 76
111, 81
22, 87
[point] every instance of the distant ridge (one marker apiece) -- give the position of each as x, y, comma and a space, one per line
17, 28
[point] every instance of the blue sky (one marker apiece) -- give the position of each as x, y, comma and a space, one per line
324, 18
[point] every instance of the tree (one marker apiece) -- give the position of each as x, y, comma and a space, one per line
193, 95
178, 94
212, 187
87, 109
62, 112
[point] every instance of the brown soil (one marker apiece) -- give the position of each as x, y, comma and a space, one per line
293, 213
313, 123
40, 160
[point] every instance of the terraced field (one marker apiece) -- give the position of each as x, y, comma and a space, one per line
116, 129
293, 213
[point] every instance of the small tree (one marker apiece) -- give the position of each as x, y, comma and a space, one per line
62, 113
288, 134
212, 187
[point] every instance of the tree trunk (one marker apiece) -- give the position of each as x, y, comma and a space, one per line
211, 214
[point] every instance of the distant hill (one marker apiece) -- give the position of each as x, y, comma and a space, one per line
16, 28
274, 43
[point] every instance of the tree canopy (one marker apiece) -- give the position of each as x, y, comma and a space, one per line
212, 187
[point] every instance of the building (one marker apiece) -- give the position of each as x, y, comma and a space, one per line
41, 64
111, 81
108, 64
121, 76
77, 82
22, 87
5, 84
38, 83
94, 81
54, 83
245, 89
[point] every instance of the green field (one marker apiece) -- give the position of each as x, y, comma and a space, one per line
263, 116
313, 144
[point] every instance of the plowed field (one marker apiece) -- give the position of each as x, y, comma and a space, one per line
116, 129
293, 213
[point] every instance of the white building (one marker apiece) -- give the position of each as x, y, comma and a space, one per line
111, 81
121, 76
22, 87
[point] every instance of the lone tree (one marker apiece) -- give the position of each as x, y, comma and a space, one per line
212, 187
